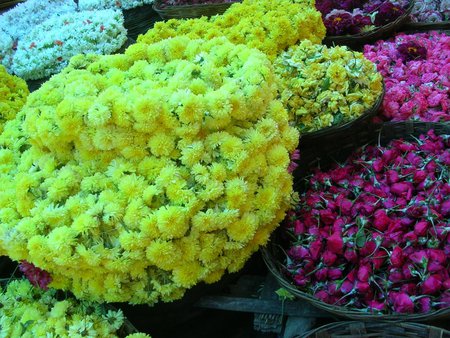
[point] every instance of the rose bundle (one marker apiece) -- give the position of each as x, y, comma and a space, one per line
373, 233
270, 26
86, 5
323, 87
31, 312
416, 72
47, 49
355, 16
13, 95
133, 177
431, 11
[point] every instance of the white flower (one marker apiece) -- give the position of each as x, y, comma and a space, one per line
46, 50
18, 21
6, 49
105, 4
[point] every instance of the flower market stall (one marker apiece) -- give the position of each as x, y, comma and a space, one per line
287, 161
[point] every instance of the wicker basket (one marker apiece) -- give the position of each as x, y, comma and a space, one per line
139, 20
190, 11
426, 26
377, 329
356, 41
274, 254
5, 4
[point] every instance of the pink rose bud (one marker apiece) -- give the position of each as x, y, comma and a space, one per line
410, 237
299, 228
431, 285
347, 286
298, 252
397, 257
322, 295
445, 208
373, 304
346, 207
37, 277
334, 274
329, 258
446, 284
327, 216
368, 248
434, 266
381, 220
321, 274
362, 287
300, 280
420, 229
419, 176
364, 273
315, 249
409, 288
424, 304
335, 243
403, 303
378, 165
419, 257
395, 276
406, 270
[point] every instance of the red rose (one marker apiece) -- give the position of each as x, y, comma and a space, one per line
362, 287
406, 270
409, 288
431, 285
346, 206
446, 284
315, 248
434, 266
298, 252
347, 286
321, 274
401, 189
329, 258
300, 280
322, 295
334, 274
378, 259
424, 304
419, 257
351, 256
299, 227
402, 303
381, 220
445, 208
37, 277
397, 257
419, 176
420, 229
364, 272
395, 276
368, 248
373, 304
335, 243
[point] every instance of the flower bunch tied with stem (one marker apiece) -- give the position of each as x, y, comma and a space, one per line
373, 233
326, 86
416, 70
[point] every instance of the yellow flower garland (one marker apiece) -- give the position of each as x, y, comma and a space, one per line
13, 95
139, 175
271, 26
29, 312
322, 86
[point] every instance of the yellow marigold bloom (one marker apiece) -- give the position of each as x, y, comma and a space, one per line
133, 177
13, 95
323, 87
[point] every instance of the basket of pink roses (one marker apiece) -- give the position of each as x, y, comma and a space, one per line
368, 238
355, 22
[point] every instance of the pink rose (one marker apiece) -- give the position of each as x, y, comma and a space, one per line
299, 227
351, 256
347, 286
376, 305
362, 287
335, 243
364, 273
329, 258
321, 274
315, 248
402, 303
334, 274
424, 304
431, 285
322, 295
397, 257
420, 229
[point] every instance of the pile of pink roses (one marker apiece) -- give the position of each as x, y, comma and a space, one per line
374, 233
416, 71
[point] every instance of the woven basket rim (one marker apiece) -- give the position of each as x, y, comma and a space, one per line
370, 325
276, 267
187, 7
367, 35
370, 112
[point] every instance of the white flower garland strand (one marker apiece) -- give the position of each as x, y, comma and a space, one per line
49, 46
18, 21
104, 4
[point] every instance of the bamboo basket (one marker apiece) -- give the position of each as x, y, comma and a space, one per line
139, 20
376, 329
5, 4
273, 254
427, 26
190, 11
356, 41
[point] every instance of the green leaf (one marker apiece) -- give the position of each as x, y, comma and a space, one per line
338, 118
325, 84
284, 294
360, 239
25, 326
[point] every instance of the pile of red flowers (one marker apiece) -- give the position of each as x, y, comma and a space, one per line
374, 233
354, 16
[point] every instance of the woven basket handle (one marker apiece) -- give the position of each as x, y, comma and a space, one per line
357, 329
436, 332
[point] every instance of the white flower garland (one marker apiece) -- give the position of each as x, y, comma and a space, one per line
49, 46
18, 21
6, 49
103, 4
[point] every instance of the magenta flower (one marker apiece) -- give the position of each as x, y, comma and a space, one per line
411, 50
35, 275
387, 12
335, 243
402, 303
431, 285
